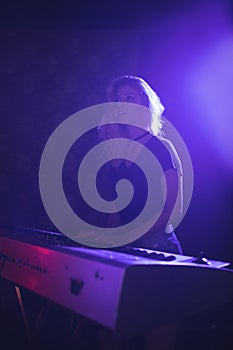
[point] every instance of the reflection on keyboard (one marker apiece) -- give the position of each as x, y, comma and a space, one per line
144, 253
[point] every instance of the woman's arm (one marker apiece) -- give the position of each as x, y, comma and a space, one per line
173, 206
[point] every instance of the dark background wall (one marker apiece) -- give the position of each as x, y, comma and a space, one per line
58, 58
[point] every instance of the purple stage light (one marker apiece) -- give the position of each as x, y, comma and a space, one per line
209, 82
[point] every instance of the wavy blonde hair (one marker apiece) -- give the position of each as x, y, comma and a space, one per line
150, 99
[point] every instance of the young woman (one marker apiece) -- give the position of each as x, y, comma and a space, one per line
131, 89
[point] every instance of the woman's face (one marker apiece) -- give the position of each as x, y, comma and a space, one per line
125, 93
128, 93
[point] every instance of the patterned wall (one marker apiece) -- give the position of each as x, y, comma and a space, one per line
46, 76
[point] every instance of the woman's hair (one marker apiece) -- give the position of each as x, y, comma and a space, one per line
149, 97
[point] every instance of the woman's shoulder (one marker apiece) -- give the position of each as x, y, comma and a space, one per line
162, 143
168, 148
